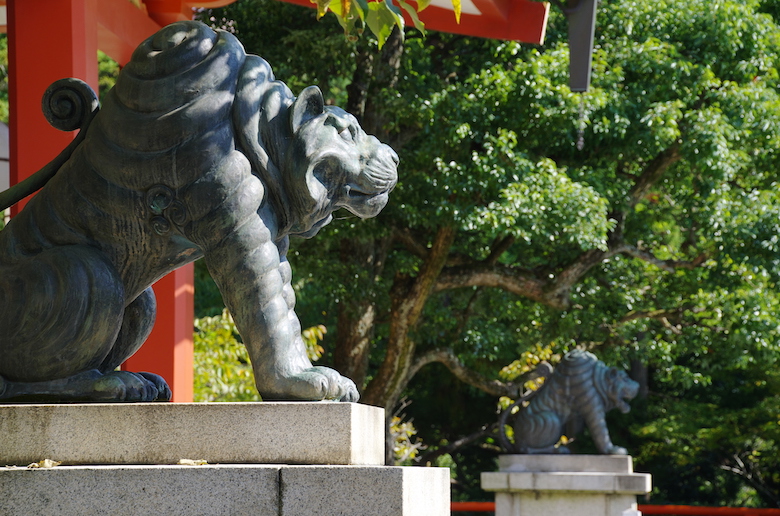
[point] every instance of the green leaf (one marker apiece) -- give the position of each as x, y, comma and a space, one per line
361, 8
398, 15
381, 18
322, 7
349, 13
419, 25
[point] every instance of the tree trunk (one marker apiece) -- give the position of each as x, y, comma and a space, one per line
409, 296
356, 317
385, 77
357, 91
639, 374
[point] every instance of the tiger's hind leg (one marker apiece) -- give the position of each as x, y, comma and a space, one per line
62, 312
137, 324
539, 432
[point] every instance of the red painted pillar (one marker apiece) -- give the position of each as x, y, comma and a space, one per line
169, 349
47, 40
50, 40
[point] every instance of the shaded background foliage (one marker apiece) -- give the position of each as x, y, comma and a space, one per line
639, 221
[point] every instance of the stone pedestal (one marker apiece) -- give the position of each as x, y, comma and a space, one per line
263, 459
566, 485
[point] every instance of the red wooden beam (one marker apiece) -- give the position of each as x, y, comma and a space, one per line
121, 27
518, 20
170, 11
473, 507
165, 12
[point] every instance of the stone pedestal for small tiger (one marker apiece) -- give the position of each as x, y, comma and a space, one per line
543, 478
566, 485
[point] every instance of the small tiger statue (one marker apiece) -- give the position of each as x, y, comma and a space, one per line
579, 392
197, 152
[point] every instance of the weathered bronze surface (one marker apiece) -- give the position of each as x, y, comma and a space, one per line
196, 152
578, 393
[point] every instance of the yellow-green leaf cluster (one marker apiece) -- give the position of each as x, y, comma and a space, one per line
222, 368
379, 16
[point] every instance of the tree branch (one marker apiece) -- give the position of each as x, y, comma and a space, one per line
562, 284
659, 315
411, 244
431, 456
498, 248
493, 387
652, 173
447, 357
480, 274
555, 292
666, 265
752, 477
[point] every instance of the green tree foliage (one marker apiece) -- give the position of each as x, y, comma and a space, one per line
108, 71
4, 78
639, 220
222, 369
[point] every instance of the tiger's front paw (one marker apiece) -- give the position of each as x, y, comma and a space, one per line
312, 384
616, 450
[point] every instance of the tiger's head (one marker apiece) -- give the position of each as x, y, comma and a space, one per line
619, 389
332, 163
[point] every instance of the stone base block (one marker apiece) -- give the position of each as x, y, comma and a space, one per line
164, 433
231, 490
587, 485
565, 504
365, 491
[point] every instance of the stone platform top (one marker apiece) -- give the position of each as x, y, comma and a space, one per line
608, 474
567, 463
164, 433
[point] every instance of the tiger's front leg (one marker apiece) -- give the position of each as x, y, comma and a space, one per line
597, 426
255, 281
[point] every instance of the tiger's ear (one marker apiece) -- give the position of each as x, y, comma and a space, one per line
308, 105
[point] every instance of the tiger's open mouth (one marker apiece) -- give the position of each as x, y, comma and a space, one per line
626, 394
365, 204
369, 193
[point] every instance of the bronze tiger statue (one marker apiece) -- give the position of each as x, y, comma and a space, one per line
577, 394
196, 152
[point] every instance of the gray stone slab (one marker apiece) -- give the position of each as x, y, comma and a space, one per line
566, 463
230, 490
164, 433
132, 490
565, 504
608, 483
363, 491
